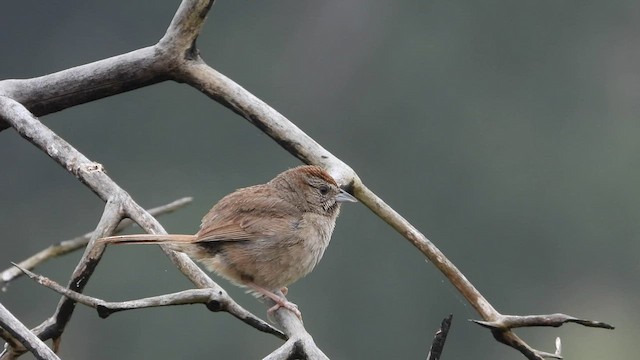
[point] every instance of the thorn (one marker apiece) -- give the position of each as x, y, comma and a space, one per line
103, 311
558, 346
487, 324
25, 271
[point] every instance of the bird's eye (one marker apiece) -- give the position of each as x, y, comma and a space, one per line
324, 189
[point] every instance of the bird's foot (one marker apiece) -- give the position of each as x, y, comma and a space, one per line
283, 303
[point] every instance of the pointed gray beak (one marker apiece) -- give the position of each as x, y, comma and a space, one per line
344, 196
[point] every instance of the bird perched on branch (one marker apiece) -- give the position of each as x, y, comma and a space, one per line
263, 237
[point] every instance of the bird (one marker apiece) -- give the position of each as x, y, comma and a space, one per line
263, 237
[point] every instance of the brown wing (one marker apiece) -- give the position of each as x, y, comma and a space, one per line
247, 214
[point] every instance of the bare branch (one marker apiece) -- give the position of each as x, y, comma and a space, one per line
401, 225
78, 85
439, 339
228, 93
185, 27
509, 338
214, 300
133, 70
222, 89
175, 57
53, 327
501, 330
90, 173
67, 246
507, 322
300, 344
9, 324
119, 204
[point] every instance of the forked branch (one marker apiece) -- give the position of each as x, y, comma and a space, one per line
67, 246
175, 57
17, 335
119, 205
214, 299
224, 90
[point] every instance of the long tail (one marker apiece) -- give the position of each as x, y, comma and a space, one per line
149, 239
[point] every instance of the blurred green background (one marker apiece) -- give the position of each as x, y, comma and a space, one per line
506, 131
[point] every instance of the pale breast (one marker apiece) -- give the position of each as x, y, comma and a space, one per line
279, 260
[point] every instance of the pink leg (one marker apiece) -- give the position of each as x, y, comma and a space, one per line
280, 301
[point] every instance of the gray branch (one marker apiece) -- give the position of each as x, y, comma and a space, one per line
81, 82
175, 57
300, 344
555, 320
214, 299
119, 204
13, 331
68, 246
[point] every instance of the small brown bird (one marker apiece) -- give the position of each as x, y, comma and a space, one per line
264, 237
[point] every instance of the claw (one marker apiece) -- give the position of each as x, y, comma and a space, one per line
281, 301
287, 305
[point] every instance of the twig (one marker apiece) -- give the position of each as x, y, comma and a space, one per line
23, 335
176, 57
54, 326
70, 87
214, 300
439, 339
507, 322
225, 91
119, 204
501, 330
67, 246
300, 344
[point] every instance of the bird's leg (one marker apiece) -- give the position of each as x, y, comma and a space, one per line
281, 301
284, 290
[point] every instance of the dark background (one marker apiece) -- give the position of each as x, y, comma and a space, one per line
506, 131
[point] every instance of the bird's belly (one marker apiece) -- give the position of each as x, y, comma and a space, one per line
273, 262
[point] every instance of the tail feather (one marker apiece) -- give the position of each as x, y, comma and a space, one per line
149, 239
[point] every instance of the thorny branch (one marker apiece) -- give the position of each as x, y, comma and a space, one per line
439, 339
67, 246
175, 57
16, 334
213, 300
119, 204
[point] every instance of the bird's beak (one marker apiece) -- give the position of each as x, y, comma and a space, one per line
344, 196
